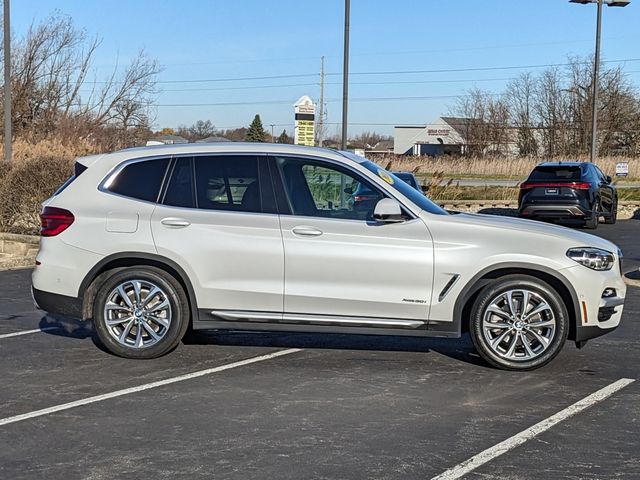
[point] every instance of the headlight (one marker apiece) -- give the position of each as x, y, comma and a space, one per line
593, 258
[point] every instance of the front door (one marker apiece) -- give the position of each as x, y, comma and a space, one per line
338, 260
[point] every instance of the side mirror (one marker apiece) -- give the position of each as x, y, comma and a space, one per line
348, 191
609, 179
424, 188
388, 211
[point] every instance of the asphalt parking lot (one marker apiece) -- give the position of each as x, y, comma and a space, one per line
326, 407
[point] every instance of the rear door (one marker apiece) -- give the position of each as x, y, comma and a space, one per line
338, 260
215, 220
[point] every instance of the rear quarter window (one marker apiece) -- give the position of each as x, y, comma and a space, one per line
140, 180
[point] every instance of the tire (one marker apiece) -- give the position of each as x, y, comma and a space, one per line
132, 324
613, 216
592, 223
516, 341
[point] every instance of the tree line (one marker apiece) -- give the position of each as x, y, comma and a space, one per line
549, 114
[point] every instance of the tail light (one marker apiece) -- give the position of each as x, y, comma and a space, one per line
54, 221
574, 185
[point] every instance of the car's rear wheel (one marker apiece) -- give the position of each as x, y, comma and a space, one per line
140, 312
613, 215
592, 223
518, 323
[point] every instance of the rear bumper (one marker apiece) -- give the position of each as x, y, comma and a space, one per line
555, 211
57, 304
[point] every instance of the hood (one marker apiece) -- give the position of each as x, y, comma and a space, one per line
576, 238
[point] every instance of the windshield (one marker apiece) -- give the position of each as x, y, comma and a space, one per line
405, 189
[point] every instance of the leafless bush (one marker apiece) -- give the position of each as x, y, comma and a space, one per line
24, 186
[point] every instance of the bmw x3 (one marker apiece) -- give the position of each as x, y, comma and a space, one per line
149, 242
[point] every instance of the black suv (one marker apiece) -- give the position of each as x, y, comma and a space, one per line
561, 190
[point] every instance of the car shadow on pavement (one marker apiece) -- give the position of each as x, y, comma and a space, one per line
66, 327
457, 348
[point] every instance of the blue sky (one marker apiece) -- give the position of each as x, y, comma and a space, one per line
213, 40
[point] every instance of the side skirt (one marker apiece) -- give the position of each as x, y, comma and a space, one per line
272, 321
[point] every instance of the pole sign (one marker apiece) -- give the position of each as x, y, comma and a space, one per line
622, 169
305, 115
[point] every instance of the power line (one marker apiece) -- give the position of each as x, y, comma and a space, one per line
481, 69
390, 72
331, 100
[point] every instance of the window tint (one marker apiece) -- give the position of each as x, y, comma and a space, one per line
140, 180
556, 173
180, 189
228, 183
319, 189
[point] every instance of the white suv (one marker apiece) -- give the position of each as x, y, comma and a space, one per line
149, 242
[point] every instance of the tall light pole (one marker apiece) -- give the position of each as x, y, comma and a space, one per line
596, 69
345, 75
7, 83
272, 137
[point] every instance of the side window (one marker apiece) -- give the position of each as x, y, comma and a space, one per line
228, 183
180, 188
319, 189
141, 180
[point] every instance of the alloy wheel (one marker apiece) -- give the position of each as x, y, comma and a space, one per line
137, 313
519, 325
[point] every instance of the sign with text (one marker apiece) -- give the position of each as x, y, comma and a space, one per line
305, 115
622, 169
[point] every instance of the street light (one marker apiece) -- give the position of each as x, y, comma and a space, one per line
596, 68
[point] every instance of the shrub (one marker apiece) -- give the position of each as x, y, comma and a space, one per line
24, 186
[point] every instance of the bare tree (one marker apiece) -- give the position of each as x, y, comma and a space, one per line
520, 97
50, 70
484, 122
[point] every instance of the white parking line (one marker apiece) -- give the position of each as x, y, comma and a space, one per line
531, 432
27, 332
146, 386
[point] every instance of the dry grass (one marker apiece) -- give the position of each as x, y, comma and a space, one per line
509, 168
24, 150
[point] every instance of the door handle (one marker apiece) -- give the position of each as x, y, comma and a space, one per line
307, 231
174, 222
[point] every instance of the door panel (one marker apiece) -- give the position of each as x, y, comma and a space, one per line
357, 268
232, 252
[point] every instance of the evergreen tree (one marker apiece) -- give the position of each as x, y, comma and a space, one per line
256, 133
284, 138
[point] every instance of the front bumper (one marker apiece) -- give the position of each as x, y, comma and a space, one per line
597, 315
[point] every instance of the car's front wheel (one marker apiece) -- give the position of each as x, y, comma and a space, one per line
140, 312
518, 323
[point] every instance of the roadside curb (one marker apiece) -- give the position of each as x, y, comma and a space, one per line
17, 251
